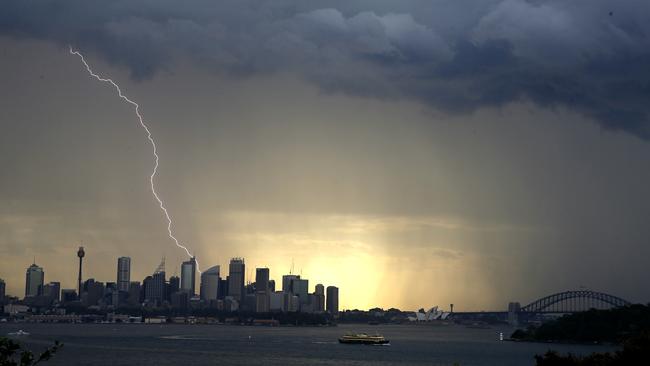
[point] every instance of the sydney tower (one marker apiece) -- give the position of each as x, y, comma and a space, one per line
80, 254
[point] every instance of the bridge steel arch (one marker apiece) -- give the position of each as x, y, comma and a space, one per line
572, 302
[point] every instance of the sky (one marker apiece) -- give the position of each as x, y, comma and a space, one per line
412, 153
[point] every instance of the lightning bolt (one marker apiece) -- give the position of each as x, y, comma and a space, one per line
170, 232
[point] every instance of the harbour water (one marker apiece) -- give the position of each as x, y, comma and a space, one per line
148, 344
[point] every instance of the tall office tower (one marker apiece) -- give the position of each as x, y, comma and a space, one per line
173, 287
134, 293
123, 273
156, 292
2, 291
34, 280
262, 291
332, 300
143, 289
68, 295
154, 288
319, 294
210, 284
301, 289
146, 284
236, 272
287, 283
272, 285
262, 280
222, 291
93, 291
188, 276
80, 253
52, 290
111, 293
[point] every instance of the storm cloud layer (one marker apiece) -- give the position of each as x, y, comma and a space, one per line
452, 152
587, 56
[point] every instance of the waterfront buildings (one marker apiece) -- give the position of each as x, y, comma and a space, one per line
276, 301
155, 289
332, 300
287, 282
236, 271
93, 291
210, 284
135, 297
69, 295
301, 289
319, 298
173, 287
179, 293
123, 273
262, 290
34, 281
180, 300
2, 291
188, 276
52, 291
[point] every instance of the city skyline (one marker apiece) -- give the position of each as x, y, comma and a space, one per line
453, 152
156, 289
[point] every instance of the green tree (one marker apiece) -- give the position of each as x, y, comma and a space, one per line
12, 354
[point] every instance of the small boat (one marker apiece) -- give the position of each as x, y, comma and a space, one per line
363, 338
19, 333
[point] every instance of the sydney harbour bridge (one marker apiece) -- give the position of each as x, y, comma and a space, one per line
559, 303
572, 302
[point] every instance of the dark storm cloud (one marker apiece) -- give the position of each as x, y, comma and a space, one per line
589, 56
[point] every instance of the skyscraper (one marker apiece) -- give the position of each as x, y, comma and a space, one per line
68, 295
287, 283
262, 293
34, 280
262, 280
172, 287
93, 291
123, 273
188, 276
301, 289
210, 284
134, 297
52, 290
332, 300
2, 291
222, 291
236, 272
319, 295
154, 288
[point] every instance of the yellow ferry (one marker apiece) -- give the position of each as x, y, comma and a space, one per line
363, 338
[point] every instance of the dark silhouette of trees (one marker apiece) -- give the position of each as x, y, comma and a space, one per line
12, 353
614, 326
635, 352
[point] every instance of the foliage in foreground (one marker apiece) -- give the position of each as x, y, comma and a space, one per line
636, 351
615, 325
12, 354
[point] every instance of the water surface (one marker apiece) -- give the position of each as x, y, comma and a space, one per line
147, 344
